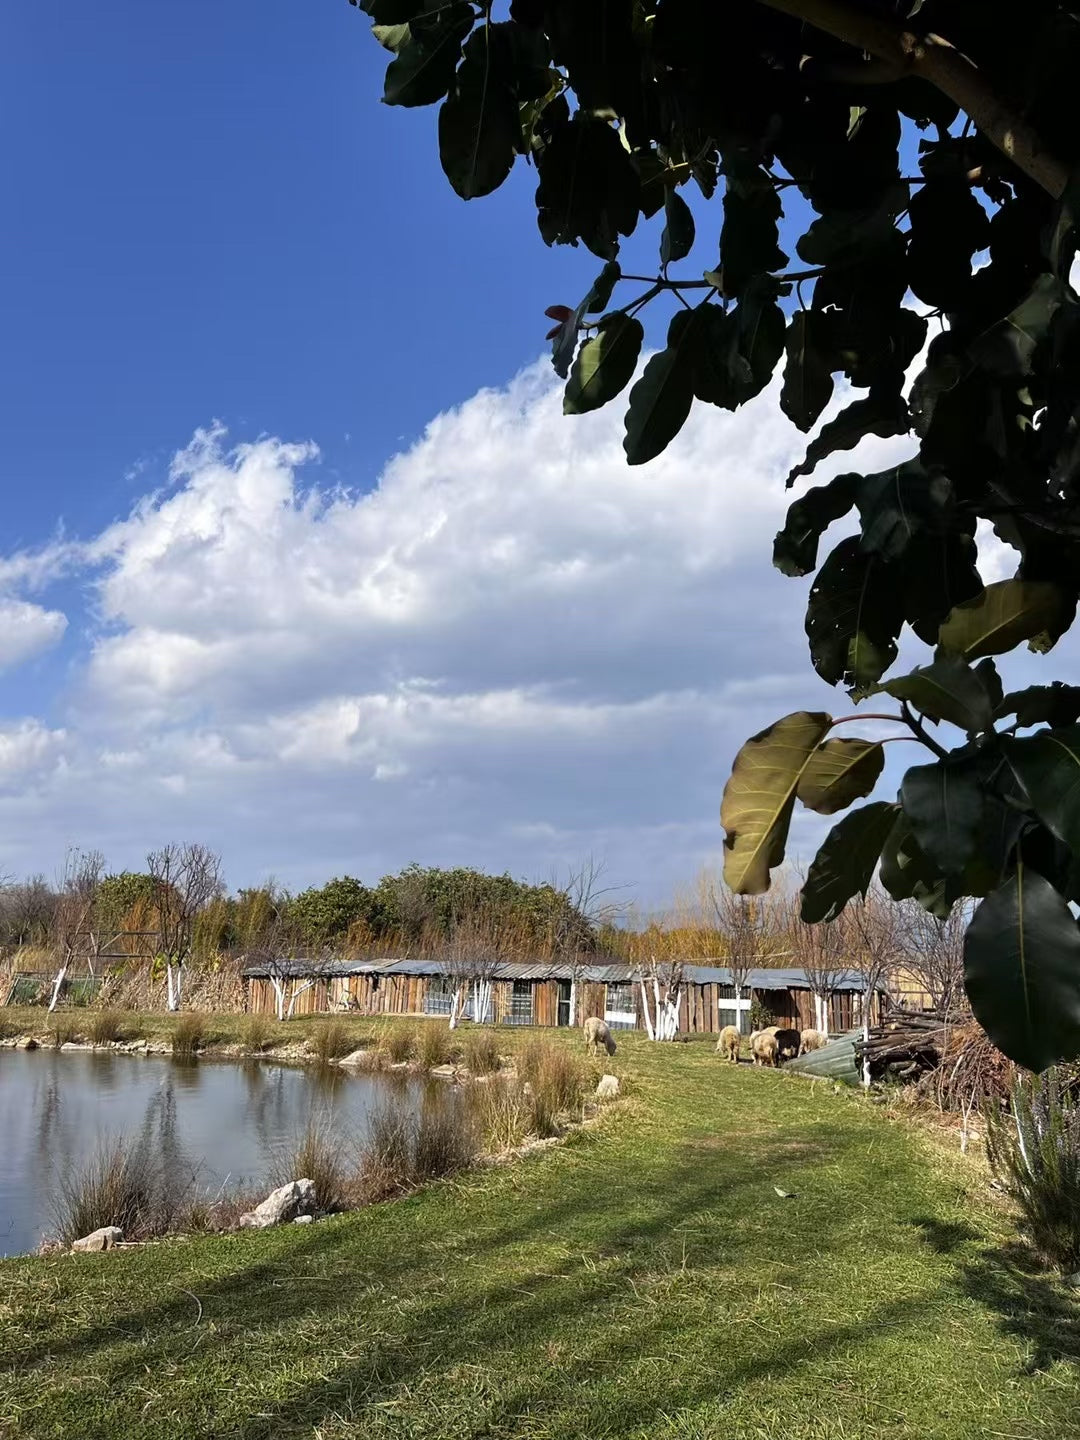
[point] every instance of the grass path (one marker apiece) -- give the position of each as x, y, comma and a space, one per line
644, 1280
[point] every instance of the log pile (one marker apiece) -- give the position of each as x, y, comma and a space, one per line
949, 1060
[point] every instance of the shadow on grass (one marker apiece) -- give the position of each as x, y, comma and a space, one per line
599, 1263
1030, 1305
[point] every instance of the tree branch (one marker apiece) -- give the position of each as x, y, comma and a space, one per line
933, 59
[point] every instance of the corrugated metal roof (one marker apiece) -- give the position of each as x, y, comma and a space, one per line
605, 973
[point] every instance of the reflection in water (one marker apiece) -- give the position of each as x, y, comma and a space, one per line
222, 1123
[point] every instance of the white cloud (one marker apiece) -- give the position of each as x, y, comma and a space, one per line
513, 650
26, 630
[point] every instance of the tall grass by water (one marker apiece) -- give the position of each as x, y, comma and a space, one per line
189, 1035
331, 1040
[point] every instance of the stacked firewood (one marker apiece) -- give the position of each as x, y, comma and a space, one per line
948, 1058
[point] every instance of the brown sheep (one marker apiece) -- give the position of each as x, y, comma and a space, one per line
728, 1044
598, 1033
764, 1048
811, 1040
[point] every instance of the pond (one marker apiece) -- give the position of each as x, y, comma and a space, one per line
222, 1123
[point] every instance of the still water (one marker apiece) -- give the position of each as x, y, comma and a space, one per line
219, 1122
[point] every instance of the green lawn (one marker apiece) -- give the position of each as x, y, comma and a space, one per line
643, 1280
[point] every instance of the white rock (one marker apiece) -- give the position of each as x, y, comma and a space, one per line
303, 1219
103, 1239
608, 1087
355, 1057
282, 1205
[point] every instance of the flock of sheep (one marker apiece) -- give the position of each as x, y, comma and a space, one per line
767, 1047
770, 1046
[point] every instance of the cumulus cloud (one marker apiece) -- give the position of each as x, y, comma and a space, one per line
26, 630
510, 650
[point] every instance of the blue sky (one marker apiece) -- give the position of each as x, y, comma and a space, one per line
463, 631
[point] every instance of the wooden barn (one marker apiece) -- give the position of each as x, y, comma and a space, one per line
547, 993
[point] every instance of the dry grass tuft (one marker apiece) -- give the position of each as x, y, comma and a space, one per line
481, 1052
106, 1027
331, 1040
256, 1033
399, 1043
189, 1035
434, 1045
319, 1156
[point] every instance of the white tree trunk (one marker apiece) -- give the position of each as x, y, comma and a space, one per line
279, 997
573, 1002
481, 1002
456, 1008
649, 1028
173, 981
866, 1040
57, 987
297, 991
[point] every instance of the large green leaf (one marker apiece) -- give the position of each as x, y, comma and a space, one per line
760, 796
1003, 616
1054, 704
661, 399
939, 574
749, 235
808, 383
1008, 348
897, 504
1048, 767
479, 130
944, 804
602, 289
425, 66
795, 547
907, 874
879, 413
947, 226
839, 772
677, 239
853, 617
604, 364
589, 189
1022, 971
946, 689
845, 864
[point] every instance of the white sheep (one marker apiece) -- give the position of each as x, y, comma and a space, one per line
764, 1048
598, 1033
728, 1043
811, 1040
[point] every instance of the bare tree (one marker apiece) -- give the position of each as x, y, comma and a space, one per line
289, 976
471, 963
665, 979
934, 954
820, 951
876, 928
28, 909
588, 905
75, 930
743, 922
185, 879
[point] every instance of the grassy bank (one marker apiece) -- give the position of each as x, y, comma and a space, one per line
644, 1280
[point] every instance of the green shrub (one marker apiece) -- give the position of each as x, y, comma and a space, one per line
106, 1027
1035, 1153
8, 1028
433, 1044
481, 1052
189, 1035
331, 1040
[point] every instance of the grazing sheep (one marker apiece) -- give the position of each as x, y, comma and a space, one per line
787, 1042
728, 1044
764, 1048
597, 1033
810, 1040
